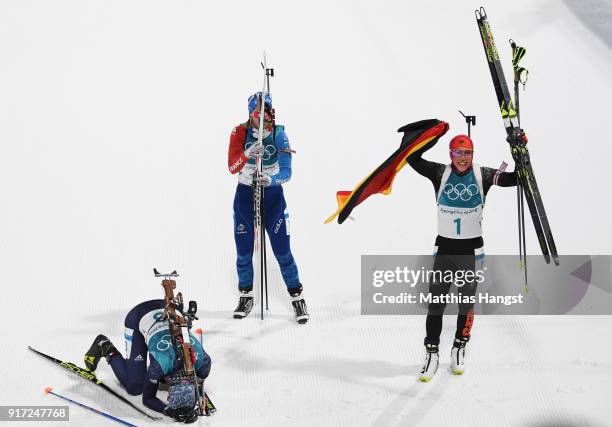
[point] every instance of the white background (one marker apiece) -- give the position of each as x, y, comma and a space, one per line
114, 126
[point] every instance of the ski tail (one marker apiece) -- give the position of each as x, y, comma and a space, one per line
537, 196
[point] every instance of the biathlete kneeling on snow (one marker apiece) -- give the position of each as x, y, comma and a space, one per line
147, 332
460, 188
275, 154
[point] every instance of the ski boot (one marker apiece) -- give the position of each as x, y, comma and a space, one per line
245, 305
101, 347
458, 356
430, 366
299, 305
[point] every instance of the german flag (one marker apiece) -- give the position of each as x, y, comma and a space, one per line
420, 135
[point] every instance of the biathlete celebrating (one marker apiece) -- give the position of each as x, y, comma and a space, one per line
460, 188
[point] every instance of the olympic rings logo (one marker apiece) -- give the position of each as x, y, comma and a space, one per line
164, 343
465, 193
269, 150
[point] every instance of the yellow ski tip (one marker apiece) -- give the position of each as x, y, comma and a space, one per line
424, 379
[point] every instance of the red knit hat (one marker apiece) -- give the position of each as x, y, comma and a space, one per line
461, 141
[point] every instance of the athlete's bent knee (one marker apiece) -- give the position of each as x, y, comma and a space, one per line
134, 389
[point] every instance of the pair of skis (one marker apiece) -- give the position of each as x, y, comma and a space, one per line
92, 378
528, 187
258, 194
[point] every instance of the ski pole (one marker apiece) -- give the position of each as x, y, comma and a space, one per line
519, 195
263, 274
521, 229
269, 73
262, 243
264, 248
524, 241
49, 390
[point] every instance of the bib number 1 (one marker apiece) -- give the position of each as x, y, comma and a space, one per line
458, 223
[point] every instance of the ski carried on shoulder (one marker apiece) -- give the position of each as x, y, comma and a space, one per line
518, 146
91, 377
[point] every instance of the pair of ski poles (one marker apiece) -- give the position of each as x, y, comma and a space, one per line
520, 76
260, 224
471, 121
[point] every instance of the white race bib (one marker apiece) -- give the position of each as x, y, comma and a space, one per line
459, 223
460, 204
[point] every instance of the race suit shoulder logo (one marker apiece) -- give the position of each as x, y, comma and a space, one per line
241, 229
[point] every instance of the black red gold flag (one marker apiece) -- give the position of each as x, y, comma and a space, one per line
417, 136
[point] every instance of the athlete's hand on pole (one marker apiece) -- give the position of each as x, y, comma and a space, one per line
255, 150
517, 136
264, 180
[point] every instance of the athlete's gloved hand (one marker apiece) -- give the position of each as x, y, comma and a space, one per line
264, 180
181, 415
255, 150
518, 136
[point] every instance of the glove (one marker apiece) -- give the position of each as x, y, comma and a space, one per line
181, 415
517, 136
255, 150
264, 180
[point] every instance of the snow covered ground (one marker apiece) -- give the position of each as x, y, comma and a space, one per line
114, 124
